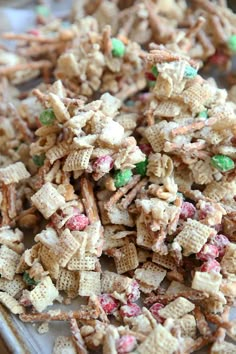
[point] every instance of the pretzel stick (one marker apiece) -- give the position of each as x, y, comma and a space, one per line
192, 295
218, 30
4, 206
121, 191
198, 344
62, 316
34, 51
192, 127
11, 196
29, 37
202, 324
77, 338
89, 201
33, 65
160, 54
195, 28
132, 194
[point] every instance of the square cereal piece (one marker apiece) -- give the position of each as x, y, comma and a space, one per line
64, 345
114, 282
112, 134
89, 283
187, 325
11, 303
228, 262
47, 200
8, 262
144, 238
43, 294
58, 151
68, 281
150, 274
208, 282
193, 236
78, 160
128, 260
176, 287
215, 191
13, 173
155, 137
49, 261
12, 287
120, 216
159, 341
82, 262
223, 348
165, 261
66, 247
177, 308
48, 237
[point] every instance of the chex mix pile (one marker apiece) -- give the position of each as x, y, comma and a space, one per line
122, 154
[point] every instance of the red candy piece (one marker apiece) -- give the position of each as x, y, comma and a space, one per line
103, 164
154, 309
219, 59
150, 76
211, 266
77, 222
108, 303
187, 210
34, 31
130, 310
146, 148
134, 293
208, 252
125, 344
220, 241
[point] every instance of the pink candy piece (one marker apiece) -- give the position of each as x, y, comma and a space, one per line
154, 309
34, 31
211, 266
218, 59
187, 210
130, 310
134, 293
103, 164
220, 241
125, 344
146, 148
208, 252
108, 303
77, 222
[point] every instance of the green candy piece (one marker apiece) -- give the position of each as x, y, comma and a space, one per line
121, 178
203, 114
129, 103
28, 280
232, 43
155, 71
141, 167
190, 72
39, 160
47, 117
118, 48
222, 162
151, 83
42, 10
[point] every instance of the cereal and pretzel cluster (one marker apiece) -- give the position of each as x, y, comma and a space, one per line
118, 169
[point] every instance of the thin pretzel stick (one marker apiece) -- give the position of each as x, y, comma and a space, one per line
220, 333
218, 30
89, 200
154, 22
202, 324
207, 6
121, 191
6, 70
132, 194
34, 51
62, 316
198, 344
4, 206
106, 41
11, 196
195, 28
192, 127
192, 295
150, 118
30, 37
160, 54
20, 124
77, 338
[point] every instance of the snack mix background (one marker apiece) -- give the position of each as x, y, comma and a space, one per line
115, 150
